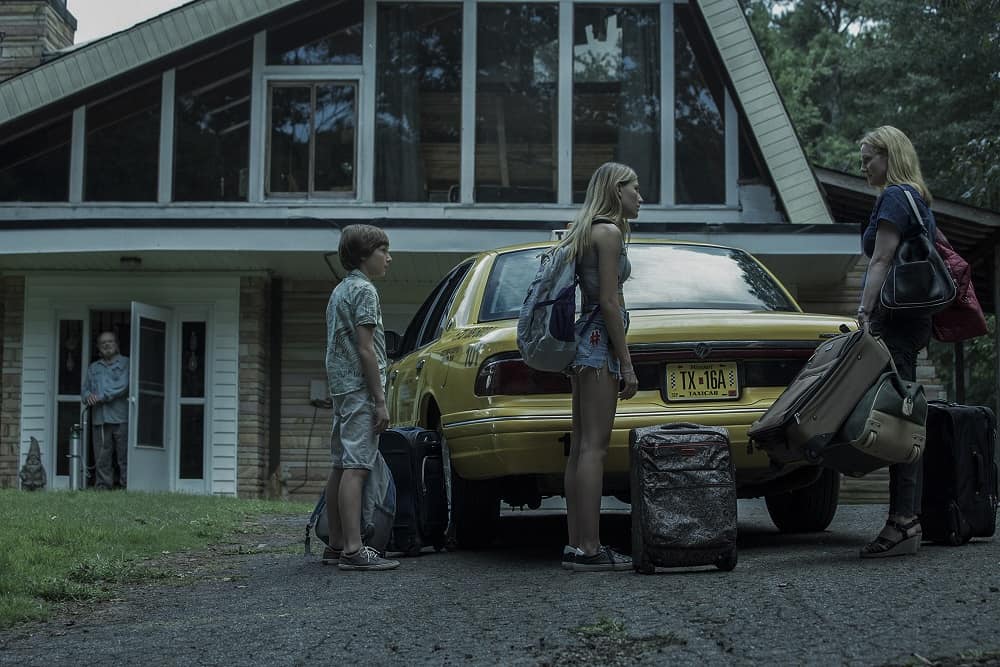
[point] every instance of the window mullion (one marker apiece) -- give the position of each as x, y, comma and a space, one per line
564, 116
667, 78
312, 141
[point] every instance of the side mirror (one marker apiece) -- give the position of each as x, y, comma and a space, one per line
392, 344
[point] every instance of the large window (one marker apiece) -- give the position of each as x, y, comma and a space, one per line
35, 166
312, 148
699, 122
418, 102
516, 103
616, 94
123, 146
328, 37
212, 128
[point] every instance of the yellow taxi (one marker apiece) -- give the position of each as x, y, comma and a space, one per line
714, 338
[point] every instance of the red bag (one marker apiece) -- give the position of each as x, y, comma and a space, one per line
964, 318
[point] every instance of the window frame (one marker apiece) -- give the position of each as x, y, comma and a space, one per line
270, 84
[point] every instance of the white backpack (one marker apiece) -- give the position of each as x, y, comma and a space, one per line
545, 325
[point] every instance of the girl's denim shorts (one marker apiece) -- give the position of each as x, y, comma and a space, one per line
593, 346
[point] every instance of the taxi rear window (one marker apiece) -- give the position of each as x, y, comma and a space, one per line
663, 277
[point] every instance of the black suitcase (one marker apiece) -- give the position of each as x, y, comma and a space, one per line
414, 457
683, 497
960, 473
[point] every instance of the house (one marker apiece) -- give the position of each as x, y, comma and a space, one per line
182, 183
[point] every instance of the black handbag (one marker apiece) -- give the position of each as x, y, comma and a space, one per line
918, 281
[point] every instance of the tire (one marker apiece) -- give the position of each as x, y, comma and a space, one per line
809, 509
727, 561
475, 511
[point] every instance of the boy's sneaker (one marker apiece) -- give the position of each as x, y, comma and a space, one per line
331, 556
569, 556
365, 558
605, 560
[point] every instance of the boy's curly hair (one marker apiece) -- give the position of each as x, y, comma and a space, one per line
357, 243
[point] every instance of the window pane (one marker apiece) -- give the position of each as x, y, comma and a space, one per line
516, 110
334, 153
616, 94
291, 126
35, 166
418, 102
70, 356
698, 122
213, 128
123, 146
192, 442
329, 37
193, 359
152, 382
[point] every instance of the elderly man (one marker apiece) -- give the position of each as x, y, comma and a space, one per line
106, 392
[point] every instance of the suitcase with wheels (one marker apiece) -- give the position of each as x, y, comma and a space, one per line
683, 497
819, 399
414, 457
960, 473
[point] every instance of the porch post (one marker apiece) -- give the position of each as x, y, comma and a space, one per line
959, 372
996, 329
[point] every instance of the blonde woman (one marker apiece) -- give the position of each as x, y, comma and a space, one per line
602, 370
889, 163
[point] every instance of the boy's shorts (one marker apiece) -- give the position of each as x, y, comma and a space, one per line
353, 443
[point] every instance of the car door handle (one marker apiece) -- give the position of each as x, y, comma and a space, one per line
420, 364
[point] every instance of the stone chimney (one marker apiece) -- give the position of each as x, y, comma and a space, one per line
30, 29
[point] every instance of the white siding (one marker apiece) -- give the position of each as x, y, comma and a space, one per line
50, 296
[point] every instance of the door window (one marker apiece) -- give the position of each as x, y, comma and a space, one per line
192, 428
442, 305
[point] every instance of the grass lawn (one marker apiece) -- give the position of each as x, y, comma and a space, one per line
76, 545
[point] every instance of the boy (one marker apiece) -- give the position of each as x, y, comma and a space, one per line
355, 370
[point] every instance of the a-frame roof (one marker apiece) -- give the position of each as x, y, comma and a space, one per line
765, 112
140, 45
754, 89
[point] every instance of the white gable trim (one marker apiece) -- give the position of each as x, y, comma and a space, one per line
765, 112
126, 50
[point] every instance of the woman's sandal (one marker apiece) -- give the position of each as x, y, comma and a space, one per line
907, 543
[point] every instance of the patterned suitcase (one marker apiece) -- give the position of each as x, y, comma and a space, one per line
683, 497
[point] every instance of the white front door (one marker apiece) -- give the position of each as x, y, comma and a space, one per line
150, 387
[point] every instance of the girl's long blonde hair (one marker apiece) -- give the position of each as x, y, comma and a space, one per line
903, 163
603, 200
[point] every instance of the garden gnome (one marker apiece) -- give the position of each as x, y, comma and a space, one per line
32, 473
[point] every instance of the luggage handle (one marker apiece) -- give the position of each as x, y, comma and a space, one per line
678, 425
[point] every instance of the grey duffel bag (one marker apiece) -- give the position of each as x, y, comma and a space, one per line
887, 426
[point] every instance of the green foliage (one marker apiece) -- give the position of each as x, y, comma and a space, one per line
980, 367
928, 67
77, 546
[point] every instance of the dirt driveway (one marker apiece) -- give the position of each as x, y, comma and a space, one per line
791, 600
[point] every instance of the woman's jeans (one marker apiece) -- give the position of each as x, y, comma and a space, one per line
905, 337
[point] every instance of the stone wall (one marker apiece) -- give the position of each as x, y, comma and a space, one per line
254, 390
32, 28
12, 332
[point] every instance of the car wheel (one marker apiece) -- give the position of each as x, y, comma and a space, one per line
809, 509
475, 511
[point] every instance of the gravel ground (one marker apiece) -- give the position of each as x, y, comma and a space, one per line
791, 600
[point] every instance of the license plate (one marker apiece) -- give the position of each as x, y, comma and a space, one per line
702, 382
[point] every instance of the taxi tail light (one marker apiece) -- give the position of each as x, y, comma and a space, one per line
510, 376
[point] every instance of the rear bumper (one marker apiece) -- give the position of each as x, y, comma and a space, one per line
492, 443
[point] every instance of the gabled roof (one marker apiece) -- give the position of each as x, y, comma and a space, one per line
199, 20
765, 112
142, 44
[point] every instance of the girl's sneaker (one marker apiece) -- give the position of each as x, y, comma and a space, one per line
605, 560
